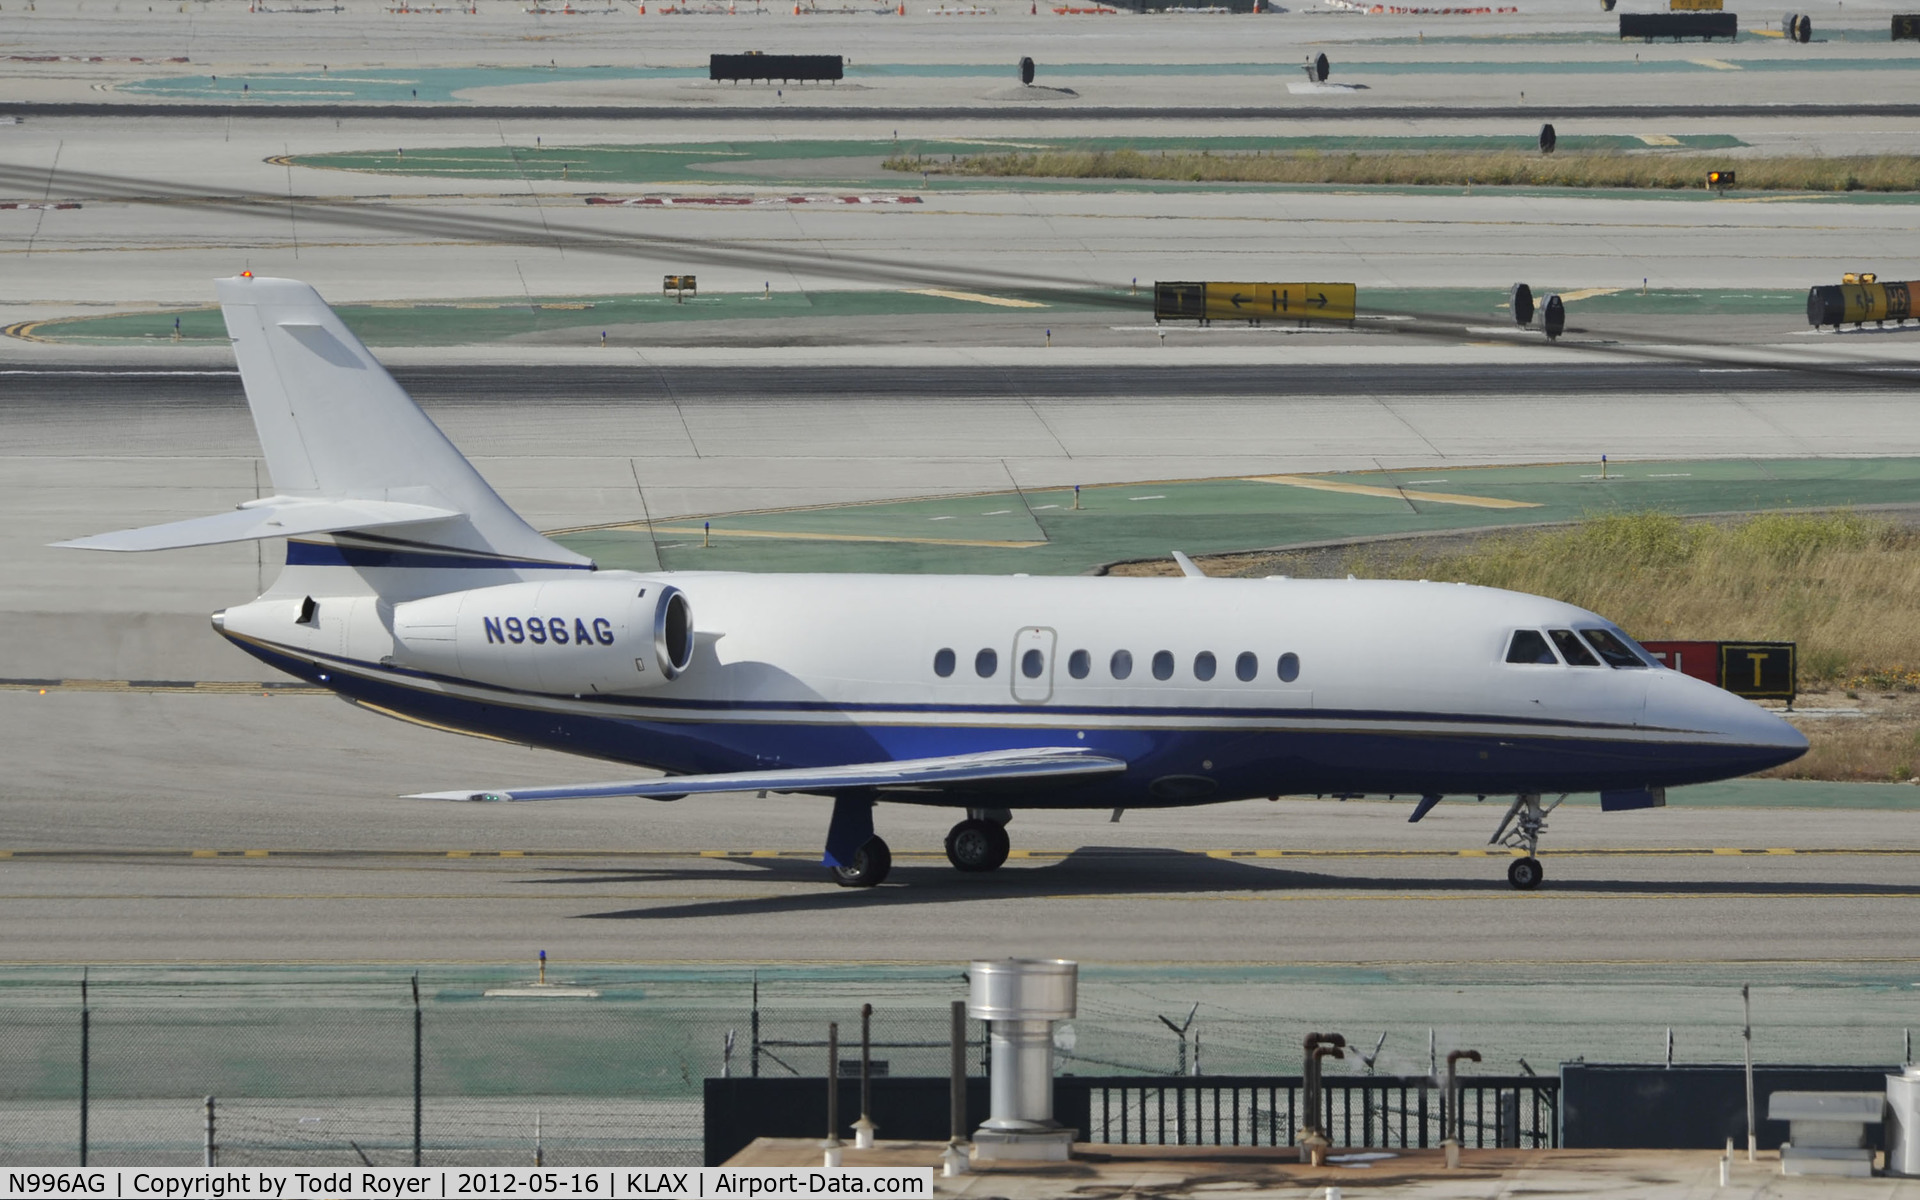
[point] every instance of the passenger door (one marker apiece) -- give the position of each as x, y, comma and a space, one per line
1033, 665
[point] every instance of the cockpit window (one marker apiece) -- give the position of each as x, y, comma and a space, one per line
1530, 646
1612, 649
1573, 649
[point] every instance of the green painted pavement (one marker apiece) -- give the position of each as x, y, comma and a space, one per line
771, 163
1215, 516
458, 323
1789, 793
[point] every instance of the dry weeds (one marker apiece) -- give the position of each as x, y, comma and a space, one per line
1878, 173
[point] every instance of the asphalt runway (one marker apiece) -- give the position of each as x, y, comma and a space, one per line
34, 396
1006, 112
306, 855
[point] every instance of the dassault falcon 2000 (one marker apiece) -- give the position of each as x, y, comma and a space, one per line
412, 588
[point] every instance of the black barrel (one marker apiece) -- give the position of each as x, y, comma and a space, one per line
1803, 29
1826, 305
1320, 68
1521, 300
1548, 139
1553, 317
1026, 71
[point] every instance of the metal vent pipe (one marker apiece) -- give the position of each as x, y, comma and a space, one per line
1020, 999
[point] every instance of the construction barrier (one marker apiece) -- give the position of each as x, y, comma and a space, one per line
1256, 302
1857, 299
1678, 25
785, 67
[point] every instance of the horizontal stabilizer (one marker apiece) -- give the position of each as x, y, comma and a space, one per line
276, 516
959, 770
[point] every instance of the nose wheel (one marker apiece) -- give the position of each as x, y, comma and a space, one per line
869, 866
978, 844
1525, 873
1520, 829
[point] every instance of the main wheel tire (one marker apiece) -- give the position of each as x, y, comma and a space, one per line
1525, 873
870, 866
975, 845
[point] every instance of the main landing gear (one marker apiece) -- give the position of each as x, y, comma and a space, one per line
980, 842
1520, 829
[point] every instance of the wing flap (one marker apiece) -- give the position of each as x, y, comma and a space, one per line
277, 516
993, 766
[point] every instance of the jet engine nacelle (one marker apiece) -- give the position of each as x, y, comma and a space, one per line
570, 637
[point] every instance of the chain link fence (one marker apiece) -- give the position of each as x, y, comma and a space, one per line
605, 1066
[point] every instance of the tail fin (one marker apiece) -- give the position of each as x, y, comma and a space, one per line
347, 447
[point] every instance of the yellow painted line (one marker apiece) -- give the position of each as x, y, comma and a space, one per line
1715, 63
840, 537
1781, 850
206, 854
716, 854
1725, 850
975, 297
1766, 33
6, 854
1367, 489
513, 854
1473, 854
1587, 294
254, 854
763, 854
1656, 139
459, 854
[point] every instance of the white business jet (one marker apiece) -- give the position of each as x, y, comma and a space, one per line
412, 589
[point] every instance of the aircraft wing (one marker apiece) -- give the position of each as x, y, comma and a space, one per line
959, 770
275, 516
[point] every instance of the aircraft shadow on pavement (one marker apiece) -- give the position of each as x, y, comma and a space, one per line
1101, 870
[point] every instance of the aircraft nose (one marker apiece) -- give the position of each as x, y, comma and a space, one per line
1757, 738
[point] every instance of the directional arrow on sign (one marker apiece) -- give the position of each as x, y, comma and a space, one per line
1238, 299
1319, 301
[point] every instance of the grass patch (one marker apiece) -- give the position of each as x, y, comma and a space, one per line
1845, 587
1880, 173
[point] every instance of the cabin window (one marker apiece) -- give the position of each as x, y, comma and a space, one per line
1530, 646
1163, 664
1204, 665
943, 663
1289, 667
1079, 663
1612, 650
1246, 666
1121, 664
1032, 663
1573, 649
985, 664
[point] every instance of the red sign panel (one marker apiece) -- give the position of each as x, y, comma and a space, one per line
1698, 659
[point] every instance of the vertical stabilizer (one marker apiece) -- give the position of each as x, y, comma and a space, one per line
335, 426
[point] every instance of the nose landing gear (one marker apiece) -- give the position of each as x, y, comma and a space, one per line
869, 867
1520, 829
980, 842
